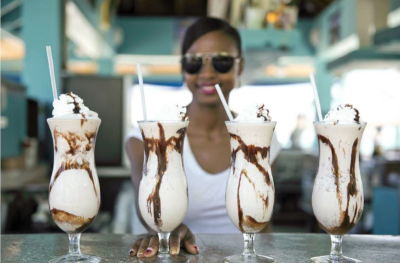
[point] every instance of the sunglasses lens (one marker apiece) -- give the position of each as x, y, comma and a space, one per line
192, 64
223, 64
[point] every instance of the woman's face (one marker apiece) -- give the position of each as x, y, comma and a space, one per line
202, 83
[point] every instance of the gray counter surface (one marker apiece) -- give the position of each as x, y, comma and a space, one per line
285, 248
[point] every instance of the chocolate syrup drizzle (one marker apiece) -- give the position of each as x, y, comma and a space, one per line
74, 141
159, 147
65, 166
260, 114
357, 117
335, 166
251, 153
249, 221
76, 109
65, 217
345, 223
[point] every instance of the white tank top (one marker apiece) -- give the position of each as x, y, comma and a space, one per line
206, 212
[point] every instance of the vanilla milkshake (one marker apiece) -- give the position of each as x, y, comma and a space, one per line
337, 198
250, 192
163, 192
74, 191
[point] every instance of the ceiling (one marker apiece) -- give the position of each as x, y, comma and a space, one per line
307, 8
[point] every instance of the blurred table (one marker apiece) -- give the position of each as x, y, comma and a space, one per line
285, 248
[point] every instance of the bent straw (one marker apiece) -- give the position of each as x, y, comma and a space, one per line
222, 98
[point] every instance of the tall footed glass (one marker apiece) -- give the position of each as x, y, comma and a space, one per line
250, 191
74, 191
163, 191
337, 197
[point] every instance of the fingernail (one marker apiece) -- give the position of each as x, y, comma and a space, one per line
131, 251
140, 252
174, 251
148, 251
197, 249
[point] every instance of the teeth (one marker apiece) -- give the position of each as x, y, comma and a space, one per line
208, 88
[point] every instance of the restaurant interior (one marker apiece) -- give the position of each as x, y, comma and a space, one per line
351, 46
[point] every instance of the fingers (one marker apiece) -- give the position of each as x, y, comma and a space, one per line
143, 247
134, 248
175, 239
152, 247
189, 243
182, 236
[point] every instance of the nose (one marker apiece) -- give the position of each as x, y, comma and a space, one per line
207, 69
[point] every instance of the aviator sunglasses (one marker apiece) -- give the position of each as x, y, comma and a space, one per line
221, 62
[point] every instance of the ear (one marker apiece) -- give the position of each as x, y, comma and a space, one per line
241, 66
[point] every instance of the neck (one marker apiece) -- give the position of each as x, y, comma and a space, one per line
205, 118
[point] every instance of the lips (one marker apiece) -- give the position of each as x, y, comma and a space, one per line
207, 89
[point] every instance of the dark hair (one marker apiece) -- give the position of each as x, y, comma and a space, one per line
205, 25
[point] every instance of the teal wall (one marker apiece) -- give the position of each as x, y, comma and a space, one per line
296, 41
15, 111
348, 21
347, 10
156, 35
147, 35
42, 26
394, 4
92, 14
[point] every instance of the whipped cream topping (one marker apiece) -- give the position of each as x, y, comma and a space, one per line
343, 114
254, 112
172, 113
70, 105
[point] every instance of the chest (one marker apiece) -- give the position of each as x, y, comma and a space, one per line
212, 154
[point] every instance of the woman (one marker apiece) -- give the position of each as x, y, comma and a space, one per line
211, 53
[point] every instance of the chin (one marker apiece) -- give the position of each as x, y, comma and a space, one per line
209, 101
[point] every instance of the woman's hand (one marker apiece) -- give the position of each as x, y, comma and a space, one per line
180, 237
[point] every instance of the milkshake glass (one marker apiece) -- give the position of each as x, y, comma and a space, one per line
74, 192
163, 191
337, 197
250, 191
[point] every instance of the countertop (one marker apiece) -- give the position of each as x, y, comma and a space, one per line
213, 248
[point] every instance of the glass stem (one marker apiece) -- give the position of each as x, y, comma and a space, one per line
336, 250
74, 244
164, 242
248, 244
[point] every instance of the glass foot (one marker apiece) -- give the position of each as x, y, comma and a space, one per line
165, 258
328, 259
77, 258
249, 259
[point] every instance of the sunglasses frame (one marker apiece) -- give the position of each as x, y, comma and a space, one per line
205, 56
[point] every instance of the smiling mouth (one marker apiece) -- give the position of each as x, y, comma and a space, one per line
208, 90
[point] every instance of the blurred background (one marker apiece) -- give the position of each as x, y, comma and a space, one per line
353, 46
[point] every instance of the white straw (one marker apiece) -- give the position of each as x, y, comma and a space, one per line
51, 68
222, 98
139, 71
316, 98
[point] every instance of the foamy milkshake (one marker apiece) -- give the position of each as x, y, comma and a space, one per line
163, 191
337, 198
74, 192
250, 189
